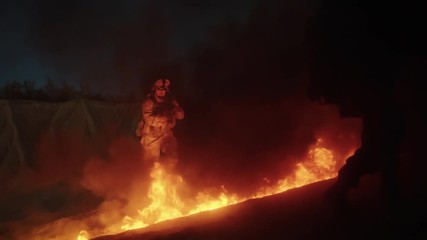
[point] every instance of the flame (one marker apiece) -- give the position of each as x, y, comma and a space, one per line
168, 202
319, 165
83, 235
207, 202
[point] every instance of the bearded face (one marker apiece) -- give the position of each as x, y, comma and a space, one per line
160, 92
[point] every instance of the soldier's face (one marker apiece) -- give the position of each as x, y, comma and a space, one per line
160, 92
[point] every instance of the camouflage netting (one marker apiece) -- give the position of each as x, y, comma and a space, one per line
23, 123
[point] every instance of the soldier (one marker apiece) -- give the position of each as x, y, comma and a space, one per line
159, 114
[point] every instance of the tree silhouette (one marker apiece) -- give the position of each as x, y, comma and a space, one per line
13, 90
50, 89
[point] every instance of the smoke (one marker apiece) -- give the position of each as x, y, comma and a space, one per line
249, 118
98, 42
240, 143
74, 175
124, 176
122, 45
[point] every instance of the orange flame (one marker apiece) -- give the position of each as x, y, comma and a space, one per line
319, 165
167, 204
83, 235
167, 201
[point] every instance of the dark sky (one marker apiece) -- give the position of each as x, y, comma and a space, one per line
75, 41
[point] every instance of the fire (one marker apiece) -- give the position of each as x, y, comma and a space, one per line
207, 202
83, 235
167, 203
319, 165
167, 200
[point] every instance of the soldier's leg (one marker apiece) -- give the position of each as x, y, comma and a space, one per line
169, 150
151, 149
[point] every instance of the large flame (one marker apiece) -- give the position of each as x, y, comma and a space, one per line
319, 165
166, 203
167, 200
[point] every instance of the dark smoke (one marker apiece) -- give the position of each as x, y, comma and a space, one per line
120, 47
239, 143
107, 47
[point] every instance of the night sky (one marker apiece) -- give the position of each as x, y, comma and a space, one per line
80, 41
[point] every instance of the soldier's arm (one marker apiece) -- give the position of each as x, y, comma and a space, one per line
178, 111
147, 111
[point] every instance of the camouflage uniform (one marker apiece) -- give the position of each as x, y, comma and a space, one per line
159, 116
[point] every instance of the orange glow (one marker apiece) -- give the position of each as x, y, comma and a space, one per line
206, 202
319, 165
167, 200
166, 203
83, 235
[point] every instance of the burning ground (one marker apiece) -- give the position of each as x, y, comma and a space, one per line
80, 173
299, 213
